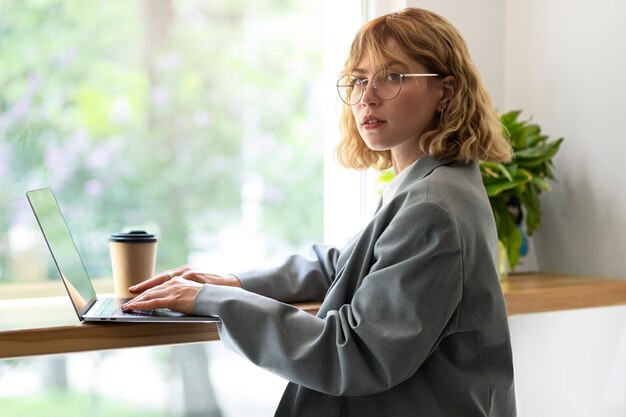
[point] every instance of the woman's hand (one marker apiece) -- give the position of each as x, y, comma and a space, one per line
178, 294
176, 289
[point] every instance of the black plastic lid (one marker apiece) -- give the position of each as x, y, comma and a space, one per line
134, 236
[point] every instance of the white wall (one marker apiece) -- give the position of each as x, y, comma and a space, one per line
570, 364
482, 25
565, 66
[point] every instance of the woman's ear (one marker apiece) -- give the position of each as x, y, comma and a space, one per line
449, 89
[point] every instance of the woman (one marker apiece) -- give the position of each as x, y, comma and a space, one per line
413, 321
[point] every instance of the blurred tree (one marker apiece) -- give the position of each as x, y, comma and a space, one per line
184, 116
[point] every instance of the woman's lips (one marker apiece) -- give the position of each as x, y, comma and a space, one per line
370, 123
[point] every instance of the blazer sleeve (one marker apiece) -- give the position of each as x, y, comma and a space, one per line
396, 317
300, 278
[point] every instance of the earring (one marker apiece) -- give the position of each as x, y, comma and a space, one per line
441, 113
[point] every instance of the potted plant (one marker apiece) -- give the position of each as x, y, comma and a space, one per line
514, 188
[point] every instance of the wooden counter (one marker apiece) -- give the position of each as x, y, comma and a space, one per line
536, 293
50, 326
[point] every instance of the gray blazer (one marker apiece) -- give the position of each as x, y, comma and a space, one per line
413, 321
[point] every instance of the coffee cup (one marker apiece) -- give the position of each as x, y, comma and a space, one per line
133, 259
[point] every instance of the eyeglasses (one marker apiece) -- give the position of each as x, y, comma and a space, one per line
386, 84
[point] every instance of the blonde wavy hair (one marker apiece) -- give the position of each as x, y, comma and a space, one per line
469, 130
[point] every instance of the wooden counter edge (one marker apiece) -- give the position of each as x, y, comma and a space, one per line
86, 337
548, 293
102, 336
531, 293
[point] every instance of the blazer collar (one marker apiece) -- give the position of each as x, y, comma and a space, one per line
422, 168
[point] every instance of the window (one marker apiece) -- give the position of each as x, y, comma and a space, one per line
209, 123
199, 121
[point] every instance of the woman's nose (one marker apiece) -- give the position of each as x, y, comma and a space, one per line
369, 94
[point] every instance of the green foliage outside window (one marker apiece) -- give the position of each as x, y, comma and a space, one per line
161, 114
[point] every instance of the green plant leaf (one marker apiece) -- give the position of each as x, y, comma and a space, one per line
498, 187
495, 188
386, 176
492, 168
536, 139
508, 232
543, 151
530, 202
541, 184
510, 117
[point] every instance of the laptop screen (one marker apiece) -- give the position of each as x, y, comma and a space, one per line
62, 248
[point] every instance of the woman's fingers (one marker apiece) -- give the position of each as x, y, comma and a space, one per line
158, 280
146, 305
151, 294
149, 283
176, 294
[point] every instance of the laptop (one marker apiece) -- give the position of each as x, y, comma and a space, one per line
89, 307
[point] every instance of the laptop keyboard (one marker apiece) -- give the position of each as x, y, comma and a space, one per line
108, 307
112, 307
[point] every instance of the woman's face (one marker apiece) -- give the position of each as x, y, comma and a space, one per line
397, 124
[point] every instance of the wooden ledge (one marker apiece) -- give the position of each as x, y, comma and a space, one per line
536, 293
40, 327
80, 337
86, 337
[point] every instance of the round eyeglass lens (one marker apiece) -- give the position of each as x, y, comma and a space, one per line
350, 89
387, 84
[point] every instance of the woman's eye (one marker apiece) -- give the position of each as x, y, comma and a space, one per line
393, 76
